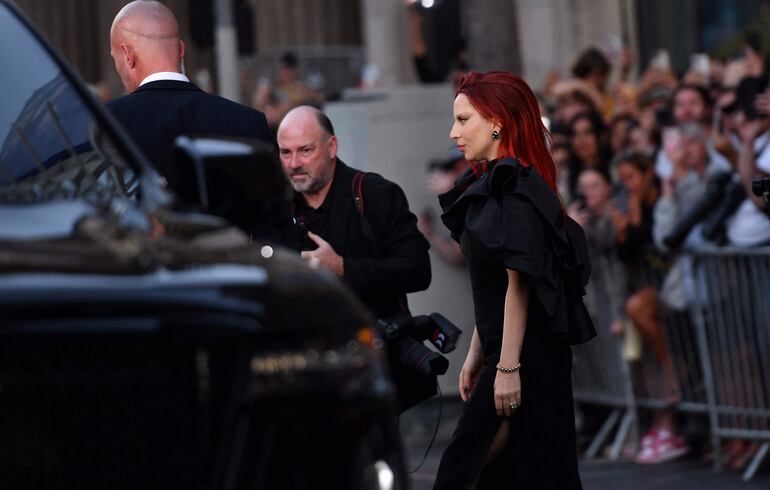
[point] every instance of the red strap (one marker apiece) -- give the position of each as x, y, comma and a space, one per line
358, 180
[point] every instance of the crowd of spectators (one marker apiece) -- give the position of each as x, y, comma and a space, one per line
652, 168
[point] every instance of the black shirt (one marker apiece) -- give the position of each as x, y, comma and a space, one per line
380, 267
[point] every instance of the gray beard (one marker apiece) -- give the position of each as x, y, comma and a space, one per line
309, 187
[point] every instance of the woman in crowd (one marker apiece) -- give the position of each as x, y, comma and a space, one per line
588, 146
636, 249
593, 211
528, 265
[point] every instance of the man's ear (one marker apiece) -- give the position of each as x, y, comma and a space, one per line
129, 55
332, 147
181, 49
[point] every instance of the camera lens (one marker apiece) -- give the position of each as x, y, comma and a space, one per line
418, 357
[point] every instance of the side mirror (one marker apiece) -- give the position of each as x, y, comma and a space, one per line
240, 180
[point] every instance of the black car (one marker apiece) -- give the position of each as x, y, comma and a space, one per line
146, 348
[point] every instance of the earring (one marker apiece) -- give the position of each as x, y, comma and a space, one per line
495, 135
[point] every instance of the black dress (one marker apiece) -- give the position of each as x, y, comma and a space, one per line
510, 219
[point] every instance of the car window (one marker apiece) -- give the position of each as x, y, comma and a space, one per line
51, 145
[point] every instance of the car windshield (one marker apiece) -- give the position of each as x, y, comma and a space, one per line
51, 146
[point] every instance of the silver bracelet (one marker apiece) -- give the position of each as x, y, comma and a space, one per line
508, 370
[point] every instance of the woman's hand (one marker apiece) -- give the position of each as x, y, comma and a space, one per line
620, 221
507, 393
469, 374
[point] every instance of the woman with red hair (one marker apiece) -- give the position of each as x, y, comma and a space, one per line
528, 264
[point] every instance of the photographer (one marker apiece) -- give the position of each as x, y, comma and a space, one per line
687, 148
355, 224
749, 226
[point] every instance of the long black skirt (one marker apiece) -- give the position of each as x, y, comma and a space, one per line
541, 451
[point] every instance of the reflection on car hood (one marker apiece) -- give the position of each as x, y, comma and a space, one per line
205, 276
48, 220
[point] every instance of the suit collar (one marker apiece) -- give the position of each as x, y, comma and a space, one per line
165, 75
168, 85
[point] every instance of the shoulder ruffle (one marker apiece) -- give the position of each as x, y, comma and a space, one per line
510, 216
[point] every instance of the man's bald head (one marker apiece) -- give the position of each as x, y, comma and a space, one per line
147, 18
144, 39
306, 117
308, 150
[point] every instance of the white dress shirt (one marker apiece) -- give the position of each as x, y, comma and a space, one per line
165, 75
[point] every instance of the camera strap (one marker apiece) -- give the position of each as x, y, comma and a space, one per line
368, 231
358, 199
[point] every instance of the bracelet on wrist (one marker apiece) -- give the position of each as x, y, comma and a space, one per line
508, 370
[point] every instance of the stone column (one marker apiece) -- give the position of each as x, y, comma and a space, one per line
493, 38
386, 38
554, 32
228, 83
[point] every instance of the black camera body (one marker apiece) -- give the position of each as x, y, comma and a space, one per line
408, 334
414, 367
704, 209
761, 188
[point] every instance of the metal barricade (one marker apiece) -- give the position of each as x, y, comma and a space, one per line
733, 324
718, 347
600, 373
675, 383
601, 377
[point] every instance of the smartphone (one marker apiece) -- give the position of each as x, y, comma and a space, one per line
672, 142
661, 60
672, 139
699, 63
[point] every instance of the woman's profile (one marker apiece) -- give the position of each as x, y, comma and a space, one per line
528, 266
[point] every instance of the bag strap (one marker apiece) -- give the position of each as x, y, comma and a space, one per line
358, 199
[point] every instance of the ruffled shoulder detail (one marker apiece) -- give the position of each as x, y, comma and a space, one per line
510, 216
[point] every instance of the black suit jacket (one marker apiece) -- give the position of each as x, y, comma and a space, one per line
157, 112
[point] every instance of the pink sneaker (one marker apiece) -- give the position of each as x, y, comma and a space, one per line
665, 446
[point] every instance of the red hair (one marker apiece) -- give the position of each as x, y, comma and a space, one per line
508, 100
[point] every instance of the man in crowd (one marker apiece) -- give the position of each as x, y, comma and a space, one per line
748, 226
691, 104
357, 225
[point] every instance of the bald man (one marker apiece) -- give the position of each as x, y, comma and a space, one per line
358, 226
162, 103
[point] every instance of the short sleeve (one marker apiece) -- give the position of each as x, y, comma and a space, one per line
508, 230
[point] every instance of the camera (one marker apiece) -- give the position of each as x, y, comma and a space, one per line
704, 207
761, 187
414, 367
408, 334
745, 96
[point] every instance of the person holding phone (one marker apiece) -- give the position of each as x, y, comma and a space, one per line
748, 226
690, 104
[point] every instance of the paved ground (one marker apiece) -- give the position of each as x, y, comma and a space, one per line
686, 474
